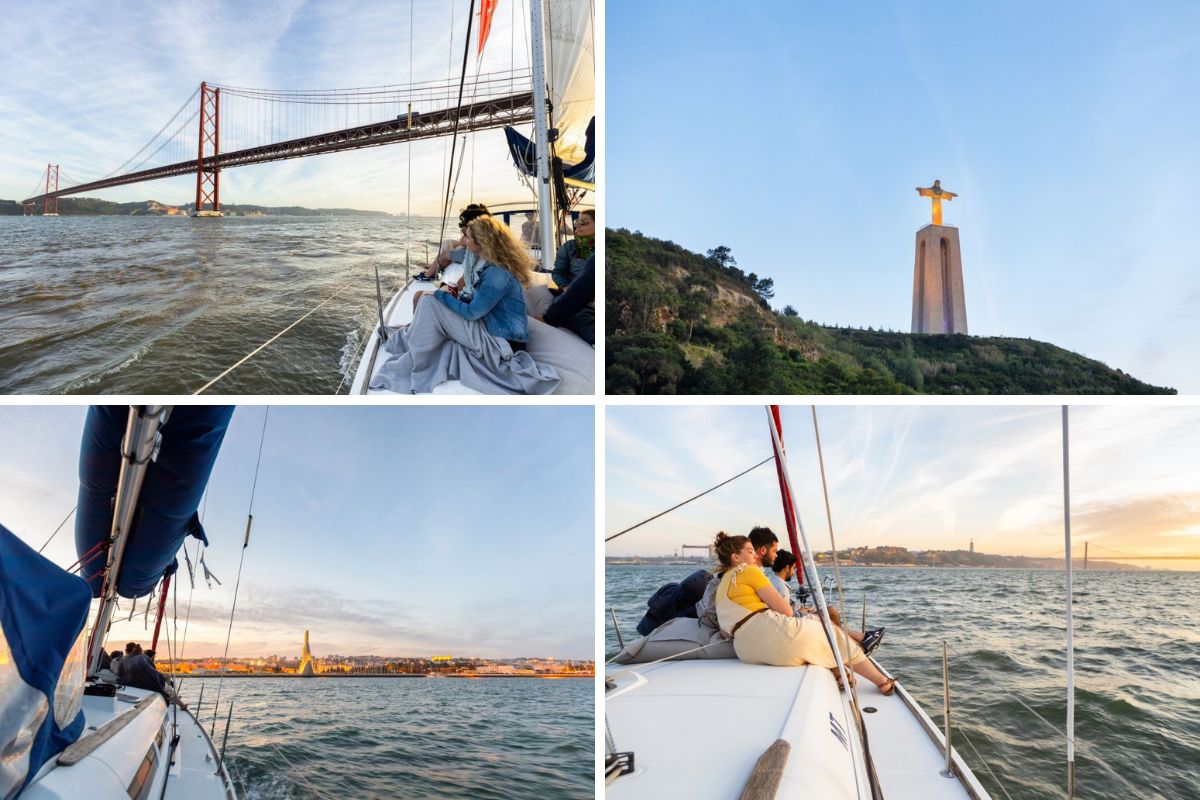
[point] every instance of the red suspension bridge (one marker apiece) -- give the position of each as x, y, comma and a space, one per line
220, 127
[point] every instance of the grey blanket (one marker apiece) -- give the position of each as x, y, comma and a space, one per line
441, 345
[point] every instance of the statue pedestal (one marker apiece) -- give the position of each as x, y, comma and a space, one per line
939, 305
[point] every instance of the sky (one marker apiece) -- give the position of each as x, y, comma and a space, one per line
795, 133
413, 530
920, 477
99, 80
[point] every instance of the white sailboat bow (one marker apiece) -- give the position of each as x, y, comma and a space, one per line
699, 723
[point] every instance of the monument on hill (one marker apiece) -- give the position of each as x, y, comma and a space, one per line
307, 665
939, 305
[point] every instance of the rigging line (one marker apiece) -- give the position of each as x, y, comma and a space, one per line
258, 349
849, 703
1084, 746
408, 150
241, 560
155, 136
690, 499
457, 119
188, 614
56, 530
829, 518
963, 732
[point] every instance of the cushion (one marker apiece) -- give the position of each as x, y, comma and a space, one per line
674, 637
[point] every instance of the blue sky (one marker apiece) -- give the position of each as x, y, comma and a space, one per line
796, 132
922, 477
389, 530
98, 80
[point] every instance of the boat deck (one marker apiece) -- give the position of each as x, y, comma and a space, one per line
696, 729
574, 358
123, 752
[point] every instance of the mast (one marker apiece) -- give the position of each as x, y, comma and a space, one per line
138, 449
542, 135
1070, 613
859, 757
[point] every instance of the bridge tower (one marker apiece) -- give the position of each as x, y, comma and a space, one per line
50, 209
208, 179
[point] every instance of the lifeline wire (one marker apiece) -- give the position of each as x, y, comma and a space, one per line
258, 349
56, 530
690, 499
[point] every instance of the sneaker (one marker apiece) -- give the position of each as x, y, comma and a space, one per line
871, 641
421, 276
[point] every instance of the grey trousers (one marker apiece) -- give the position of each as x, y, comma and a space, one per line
441, 345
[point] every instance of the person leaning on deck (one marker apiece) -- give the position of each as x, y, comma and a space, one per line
765, 543
761, 623
575, 309
574, 253
482, 342
456, 252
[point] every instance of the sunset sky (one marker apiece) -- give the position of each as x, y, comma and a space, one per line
921, 477
409, 530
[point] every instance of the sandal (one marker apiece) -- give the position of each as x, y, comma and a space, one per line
888, 687
838, 678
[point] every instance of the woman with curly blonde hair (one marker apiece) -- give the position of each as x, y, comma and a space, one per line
481, 341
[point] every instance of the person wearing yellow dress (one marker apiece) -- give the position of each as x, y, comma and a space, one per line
762, 624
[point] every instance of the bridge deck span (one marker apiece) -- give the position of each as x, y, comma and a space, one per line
483, 115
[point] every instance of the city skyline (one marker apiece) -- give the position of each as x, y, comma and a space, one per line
919, 477
412, 542
144, 61
797, 140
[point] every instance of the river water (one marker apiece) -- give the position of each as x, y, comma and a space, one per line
160, 305
1137, 668
406, 737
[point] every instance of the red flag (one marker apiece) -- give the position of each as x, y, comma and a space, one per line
486, 9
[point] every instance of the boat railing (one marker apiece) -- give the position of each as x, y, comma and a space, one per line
948, 772
620, 639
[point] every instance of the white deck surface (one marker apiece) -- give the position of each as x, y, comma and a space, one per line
399, 311
110, 769
696, 729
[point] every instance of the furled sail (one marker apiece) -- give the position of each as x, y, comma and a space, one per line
170, 495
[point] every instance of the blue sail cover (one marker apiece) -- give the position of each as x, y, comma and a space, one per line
171, 492
524, 155
42, 613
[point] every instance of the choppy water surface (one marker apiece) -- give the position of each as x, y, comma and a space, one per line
1137, 668
163, 304
406, 737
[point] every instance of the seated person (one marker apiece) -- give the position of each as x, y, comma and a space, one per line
674, 600
572, 256
763, 626
530, 234
575, 308
455, 252
481, 342
782, 571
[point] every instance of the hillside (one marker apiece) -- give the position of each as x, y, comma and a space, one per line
682, 323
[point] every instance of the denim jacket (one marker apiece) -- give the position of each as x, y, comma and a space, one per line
499, 300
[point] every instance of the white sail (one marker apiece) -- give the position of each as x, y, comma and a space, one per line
571, 74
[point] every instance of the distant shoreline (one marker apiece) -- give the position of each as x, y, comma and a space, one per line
1076, 563
375, 675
